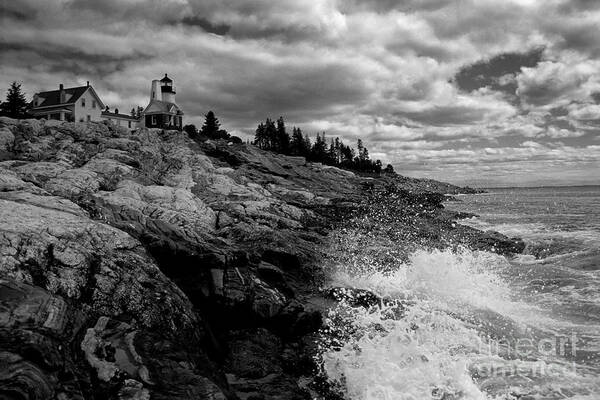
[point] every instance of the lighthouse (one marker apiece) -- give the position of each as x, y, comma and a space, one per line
167, 89
162, 111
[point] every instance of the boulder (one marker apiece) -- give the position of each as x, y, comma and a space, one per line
35, 328
62, 271
7, 139
72, 256
10, 181
498, 243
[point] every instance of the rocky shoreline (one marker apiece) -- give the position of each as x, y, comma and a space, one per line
146, 265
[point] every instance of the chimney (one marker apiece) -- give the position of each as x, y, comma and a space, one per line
62, 93
88, 83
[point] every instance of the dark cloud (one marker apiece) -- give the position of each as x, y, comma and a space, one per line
206, 25
109, 11
14, 11
288, 21
383, 6
576, 6
489, 73
578, 33
54, 60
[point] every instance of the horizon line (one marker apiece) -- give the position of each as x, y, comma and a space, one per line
535, 187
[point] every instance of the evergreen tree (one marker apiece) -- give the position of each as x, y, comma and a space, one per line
364, 157
15, 105
307, 146
283, 139
211, 126
377, 166
260, 136
297, 142
389, 169
347, 155
359, 146
319, 151
331, 156
363, 153
271, 134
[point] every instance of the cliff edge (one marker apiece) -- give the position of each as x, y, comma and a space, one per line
139, 265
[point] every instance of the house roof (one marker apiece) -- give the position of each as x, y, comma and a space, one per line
162, 107
109, 114
52, 98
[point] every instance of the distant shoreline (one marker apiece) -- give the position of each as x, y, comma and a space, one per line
540, 187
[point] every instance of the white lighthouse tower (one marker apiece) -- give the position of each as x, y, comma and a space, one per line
155, 90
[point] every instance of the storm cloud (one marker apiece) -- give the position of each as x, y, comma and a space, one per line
471, 91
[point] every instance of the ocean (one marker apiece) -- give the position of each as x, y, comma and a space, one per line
475, 325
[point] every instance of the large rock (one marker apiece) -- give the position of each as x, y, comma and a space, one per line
61, 272
79, 259
498, 243
35, 328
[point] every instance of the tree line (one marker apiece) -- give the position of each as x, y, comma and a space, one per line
273, 136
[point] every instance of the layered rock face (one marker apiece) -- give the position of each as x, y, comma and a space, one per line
101, 233
145, 265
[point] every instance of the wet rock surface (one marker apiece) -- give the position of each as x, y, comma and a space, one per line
145, 265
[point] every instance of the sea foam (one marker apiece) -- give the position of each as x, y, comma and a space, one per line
430, 336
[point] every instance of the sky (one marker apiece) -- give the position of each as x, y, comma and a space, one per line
474, 92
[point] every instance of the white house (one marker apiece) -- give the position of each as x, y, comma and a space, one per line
80, 103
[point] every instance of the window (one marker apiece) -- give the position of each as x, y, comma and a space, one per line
129, 124
154, 120
83, 102
93, 103
89, 118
